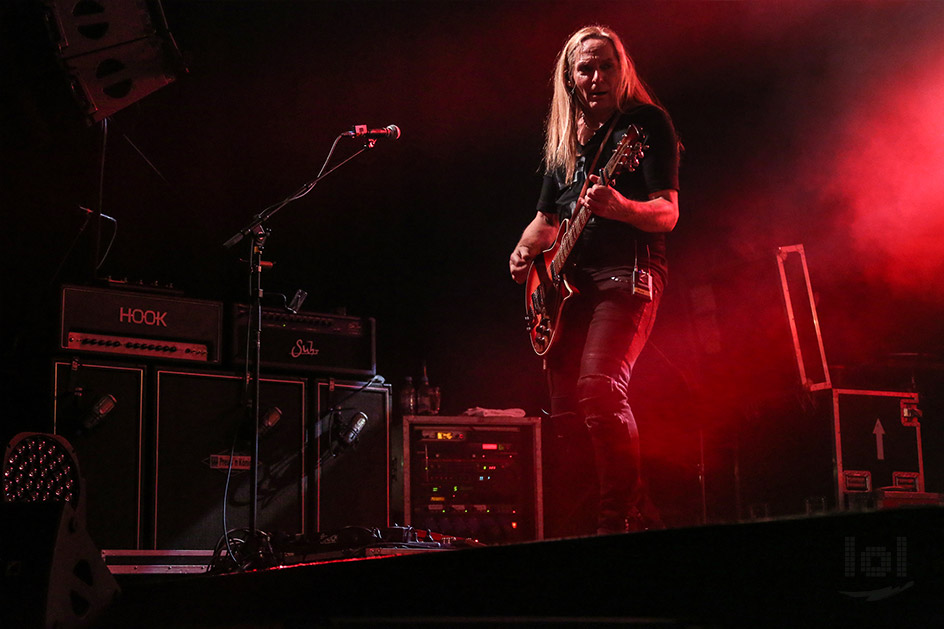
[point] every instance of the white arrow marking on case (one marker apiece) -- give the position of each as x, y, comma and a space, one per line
879, 432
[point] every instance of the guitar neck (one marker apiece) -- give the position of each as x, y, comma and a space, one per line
574, 229
608, 172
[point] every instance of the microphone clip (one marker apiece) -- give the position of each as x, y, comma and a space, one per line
371, 136
359, 130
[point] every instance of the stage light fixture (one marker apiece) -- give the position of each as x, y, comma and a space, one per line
39, 467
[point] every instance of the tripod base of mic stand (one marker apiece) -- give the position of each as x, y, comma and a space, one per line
241, 550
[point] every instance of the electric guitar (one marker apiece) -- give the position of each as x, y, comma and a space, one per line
547, 289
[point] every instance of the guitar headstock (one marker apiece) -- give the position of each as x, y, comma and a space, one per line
628, 153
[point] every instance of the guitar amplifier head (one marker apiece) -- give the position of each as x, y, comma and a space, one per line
140, 325
309, 342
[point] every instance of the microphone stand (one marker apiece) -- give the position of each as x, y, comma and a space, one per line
260, 233
97, 210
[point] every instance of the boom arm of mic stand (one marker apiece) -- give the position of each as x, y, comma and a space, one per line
266, 214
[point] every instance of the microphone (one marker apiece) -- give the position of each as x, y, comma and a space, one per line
391, 131
102, 407
349, 436
269, 419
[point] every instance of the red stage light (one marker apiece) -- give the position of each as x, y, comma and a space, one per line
41, 468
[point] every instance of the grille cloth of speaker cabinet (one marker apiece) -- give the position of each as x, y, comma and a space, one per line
110, 452
198, 415
477, 477
352, 483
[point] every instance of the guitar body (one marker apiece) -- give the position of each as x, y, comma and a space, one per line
546, 292
546, 288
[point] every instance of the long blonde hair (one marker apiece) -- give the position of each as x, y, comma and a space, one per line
560, 145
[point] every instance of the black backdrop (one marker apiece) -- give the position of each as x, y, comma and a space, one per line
774, 103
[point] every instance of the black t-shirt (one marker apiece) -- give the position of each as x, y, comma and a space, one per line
607, 247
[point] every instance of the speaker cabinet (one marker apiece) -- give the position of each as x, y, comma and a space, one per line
352, 482
201, 419
53, 575
107, 443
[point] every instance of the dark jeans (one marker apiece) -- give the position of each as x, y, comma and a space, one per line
588, 370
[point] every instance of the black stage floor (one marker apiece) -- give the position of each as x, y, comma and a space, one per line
871, 569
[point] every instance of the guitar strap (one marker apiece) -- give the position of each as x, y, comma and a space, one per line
596, 159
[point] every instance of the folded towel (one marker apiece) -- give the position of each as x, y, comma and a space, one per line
478, 411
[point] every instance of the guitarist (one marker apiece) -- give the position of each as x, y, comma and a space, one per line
618, 270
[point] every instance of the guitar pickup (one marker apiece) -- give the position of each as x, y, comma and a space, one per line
537, 299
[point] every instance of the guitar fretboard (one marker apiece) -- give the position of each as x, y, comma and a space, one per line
569, 240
